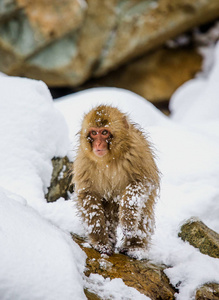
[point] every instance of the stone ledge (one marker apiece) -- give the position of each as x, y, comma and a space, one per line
200, 236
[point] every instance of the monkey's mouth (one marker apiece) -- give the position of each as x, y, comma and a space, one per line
100, 152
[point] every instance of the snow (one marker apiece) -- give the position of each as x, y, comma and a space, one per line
112, 289
32, 132
38, 258
35, 256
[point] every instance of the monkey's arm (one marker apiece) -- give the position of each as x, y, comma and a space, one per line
136, 215
92, 212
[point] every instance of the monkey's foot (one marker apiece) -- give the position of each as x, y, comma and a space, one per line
104, 249
136, 253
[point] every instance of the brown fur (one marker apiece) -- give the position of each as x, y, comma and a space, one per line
120, 187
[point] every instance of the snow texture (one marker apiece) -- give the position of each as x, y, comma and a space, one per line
32, 131
112, 289
38, 259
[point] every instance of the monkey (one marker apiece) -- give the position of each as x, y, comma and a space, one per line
116, 181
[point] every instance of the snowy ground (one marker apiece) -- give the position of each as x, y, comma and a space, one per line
38, 259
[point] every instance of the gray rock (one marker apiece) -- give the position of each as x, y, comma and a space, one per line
66, 42
61, 179
28, 26
200, 236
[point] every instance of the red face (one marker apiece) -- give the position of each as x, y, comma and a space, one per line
100, 140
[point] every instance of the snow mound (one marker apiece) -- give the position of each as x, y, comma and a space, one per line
32, 132
38, 260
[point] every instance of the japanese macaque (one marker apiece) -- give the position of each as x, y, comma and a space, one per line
116, 181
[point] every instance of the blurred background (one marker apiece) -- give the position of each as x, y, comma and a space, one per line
150, 47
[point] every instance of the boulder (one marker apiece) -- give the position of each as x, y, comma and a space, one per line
28, 26
64, 43
156, 75
200, 236
61, 179
148, 278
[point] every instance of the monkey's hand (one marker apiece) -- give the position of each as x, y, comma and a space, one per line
103, 249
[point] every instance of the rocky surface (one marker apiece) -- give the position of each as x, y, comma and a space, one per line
28, 26
206, 240
65, 43
200, 236
61, 179
209, 291
148, 278
91, 296
156, 75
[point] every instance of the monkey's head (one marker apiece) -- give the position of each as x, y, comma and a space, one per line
104, 133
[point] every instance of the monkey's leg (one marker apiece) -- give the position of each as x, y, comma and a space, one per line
92, 212
111, 208
136, 215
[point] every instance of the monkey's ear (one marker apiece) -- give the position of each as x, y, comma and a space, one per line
125, 122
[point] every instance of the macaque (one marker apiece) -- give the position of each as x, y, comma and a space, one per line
116, 181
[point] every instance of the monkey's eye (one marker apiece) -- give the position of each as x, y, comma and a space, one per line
105, 132
93, 132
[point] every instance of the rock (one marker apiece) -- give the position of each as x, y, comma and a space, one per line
91, 296
98, 35
209, 291
7, 8
61, 179
28, 26
144, 25
71, 60
200, 236
155, 76
149, 279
